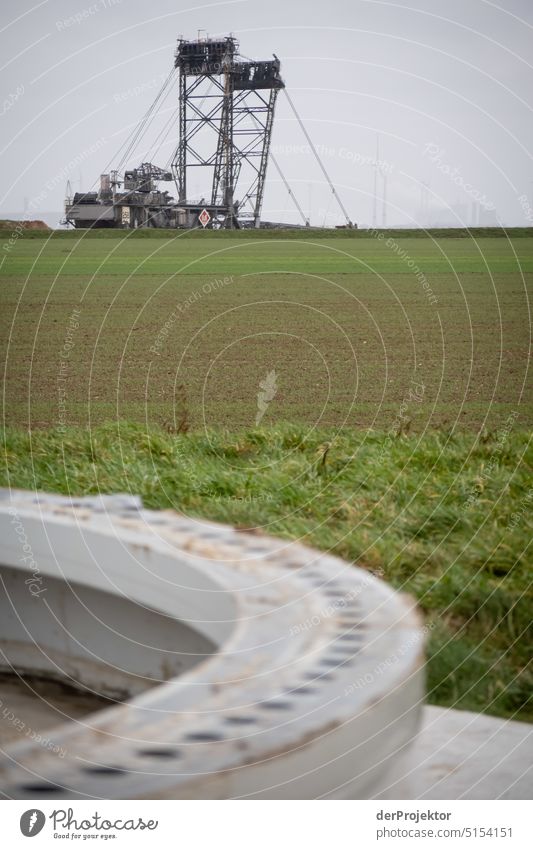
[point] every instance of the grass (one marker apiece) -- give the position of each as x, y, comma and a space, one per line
7, 227
407, 450
342, 318
443, 516
217, 253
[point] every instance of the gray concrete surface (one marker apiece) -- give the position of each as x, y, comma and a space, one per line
463, 755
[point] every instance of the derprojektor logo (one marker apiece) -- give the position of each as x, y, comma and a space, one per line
32, 822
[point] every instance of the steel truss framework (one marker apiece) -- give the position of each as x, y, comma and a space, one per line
235, 99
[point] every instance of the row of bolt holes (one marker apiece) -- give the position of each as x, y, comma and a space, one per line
347, 656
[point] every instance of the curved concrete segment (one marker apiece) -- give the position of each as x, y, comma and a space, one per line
253, 667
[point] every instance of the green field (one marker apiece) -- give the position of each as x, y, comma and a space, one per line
345, 322
391, 376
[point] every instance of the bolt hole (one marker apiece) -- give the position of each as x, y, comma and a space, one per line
344, 650
159, 753
241, 720
344, 660
276, 705
319, 676
204, 737
45, 789
336, 661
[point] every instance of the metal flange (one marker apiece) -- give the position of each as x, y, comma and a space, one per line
312, 685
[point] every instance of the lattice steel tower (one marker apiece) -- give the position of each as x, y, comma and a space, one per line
226, 112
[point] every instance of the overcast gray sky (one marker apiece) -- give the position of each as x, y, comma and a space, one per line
447, 87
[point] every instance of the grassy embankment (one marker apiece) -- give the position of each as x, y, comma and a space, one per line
444, 517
